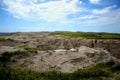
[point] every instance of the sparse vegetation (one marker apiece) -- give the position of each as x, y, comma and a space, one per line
30, 49
6, 56
3, 39
87, 35
101, 71
26, 58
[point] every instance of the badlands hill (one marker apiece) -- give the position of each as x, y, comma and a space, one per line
62, 51
59, 56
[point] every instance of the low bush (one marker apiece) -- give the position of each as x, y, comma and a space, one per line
6, 56
4, 39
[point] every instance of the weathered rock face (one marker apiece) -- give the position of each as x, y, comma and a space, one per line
64, 60
60, 53
54, 42
113, 46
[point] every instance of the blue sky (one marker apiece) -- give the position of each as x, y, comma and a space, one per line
60, 15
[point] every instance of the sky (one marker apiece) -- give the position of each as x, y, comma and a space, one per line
60, 15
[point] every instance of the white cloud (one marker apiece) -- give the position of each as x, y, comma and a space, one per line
58, 11
94, 1
104, 10
100, 17
49, 11
84, 18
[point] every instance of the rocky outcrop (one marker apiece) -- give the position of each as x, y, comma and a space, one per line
59, 53
64, 60
47, 42
113, 46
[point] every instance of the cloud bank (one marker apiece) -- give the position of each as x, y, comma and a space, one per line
42, 9
63, 12
95, 1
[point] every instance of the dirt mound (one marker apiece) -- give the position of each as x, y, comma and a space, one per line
64, 60
58, 53
42, 39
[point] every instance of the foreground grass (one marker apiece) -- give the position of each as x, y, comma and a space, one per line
87, 35
101, 71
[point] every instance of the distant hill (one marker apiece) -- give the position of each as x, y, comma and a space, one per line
89, 35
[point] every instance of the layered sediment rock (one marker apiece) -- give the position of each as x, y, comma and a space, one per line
64, 60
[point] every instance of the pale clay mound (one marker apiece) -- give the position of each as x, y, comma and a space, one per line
63, 60
54, 42
59, 53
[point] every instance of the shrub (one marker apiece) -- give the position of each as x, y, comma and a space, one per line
6, 56
4, 39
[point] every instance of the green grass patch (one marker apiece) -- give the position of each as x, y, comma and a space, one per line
31, 49
87, 35
101, 71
